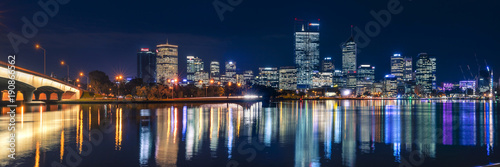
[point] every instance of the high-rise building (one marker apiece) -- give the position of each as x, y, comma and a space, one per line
408, 69
167, 62
397, 67
306, 51
322, 79
268, 76
146, 65
366, 78
230, 72
327, 65
349, 52
248, 77
338, 79
201, 78
194, 64
390, 85
288, 78
425, 73
215, 71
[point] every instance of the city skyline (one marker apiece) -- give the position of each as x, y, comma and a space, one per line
397, 37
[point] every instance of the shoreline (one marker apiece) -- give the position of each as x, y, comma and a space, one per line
210, 100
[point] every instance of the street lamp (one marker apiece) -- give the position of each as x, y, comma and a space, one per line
81, 75
37, 46
64, 63
118, 79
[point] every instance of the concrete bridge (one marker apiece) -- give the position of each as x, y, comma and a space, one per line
31, 86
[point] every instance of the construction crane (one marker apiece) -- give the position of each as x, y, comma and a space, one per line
462, 72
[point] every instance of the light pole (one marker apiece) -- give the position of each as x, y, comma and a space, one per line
118, 79
44, 58
64, 63
81, 74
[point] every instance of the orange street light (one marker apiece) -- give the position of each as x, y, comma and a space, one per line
239, 84
37, 46
78, 85
64, 63
77, 80
229, 83
211, 81
81, 74
201, 82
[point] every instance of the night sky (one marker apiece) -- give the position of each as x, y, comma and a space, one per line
105, 35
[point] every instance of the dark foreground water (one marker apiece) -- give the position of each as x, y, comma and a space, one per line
292, 133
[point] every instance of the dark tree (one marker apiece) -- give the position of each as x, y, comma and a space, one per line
99, 82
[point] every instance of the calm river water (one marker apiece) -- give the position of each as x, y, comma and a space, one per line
288, 133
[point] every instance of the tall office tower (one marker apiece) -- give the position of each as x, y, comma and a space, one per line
230, 72
248, 77
327, 65
194, 64
349, 51
366, 78
306, 51
338, 79
146, 65
201, 76
434, 80
390, 85
408, 69
397, 67
215, 71
288, 78
167, 62
268, 76
425, 73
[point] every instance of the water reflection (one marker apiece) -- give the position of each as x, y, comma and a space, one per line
309, 133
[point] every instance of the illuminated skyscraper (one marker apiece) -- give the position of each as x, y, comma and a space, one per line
397, 67
306, 51
338, 79
248, 77
166, 62
268, 76
230, 71
194, 64
215, 70
426, 73
408, 69
390, 85
366, 78
327, 65
146, 65
349, 51
288, 78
